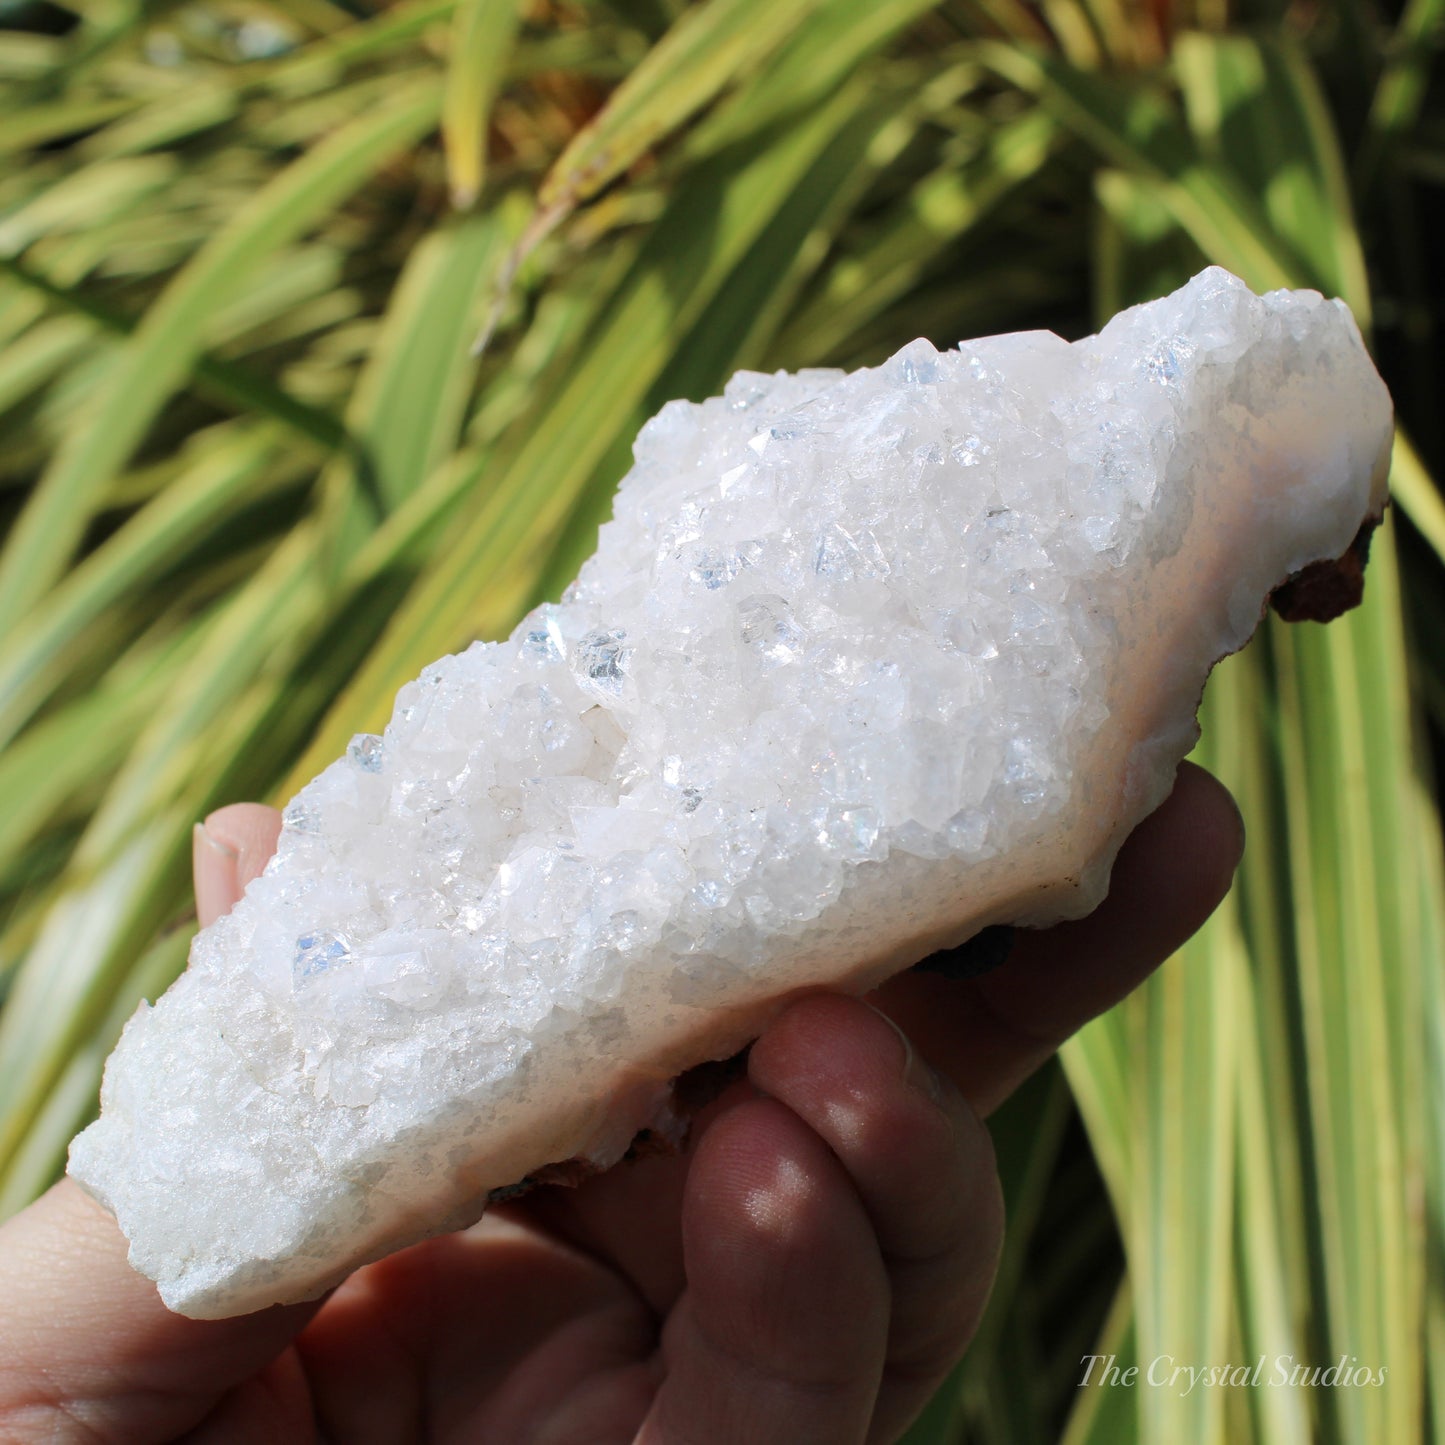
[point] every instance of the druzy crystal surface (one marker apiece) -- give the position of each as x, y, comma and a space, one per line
863, 663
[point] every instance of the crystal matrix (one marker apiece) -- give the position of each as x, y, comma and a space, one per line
862, 664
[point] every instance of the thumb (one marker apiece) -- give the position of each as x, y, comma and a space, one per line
87, 1349
227, 851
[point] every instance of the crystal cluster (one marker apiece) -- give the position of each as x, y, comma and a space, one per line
862, 664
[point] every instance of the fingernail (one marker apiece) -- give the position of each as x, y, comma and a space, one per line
214, 865
203, 835
915, 1071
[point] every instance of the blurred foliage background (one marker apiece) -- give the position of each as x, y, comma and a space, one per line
253, 477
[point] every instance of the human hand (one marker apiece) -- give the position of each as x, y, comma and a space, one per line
807, 1271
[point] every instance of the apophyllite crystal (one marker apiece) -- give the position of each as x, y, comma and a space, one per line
863, 664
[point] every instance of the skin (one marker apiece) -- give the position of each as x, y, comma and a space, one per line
807, 1272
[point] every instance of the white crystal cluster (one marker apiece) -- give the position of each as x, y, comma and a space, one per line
862, 664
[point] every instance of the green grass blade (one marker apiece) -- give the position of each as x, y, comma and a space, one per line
1414, 489
174, 119
28, 364
939, 209
1266, 1286
226, 382
1434, 1090
59, 770
407, 407
1348, 782
87, 199
153, 541
1258, 112
411, 399
35, 126
1105, 1413
806, 69
26, 57
1273, 1281
285, 283
1180, 1235
1097, 1063
161, 351
482, 36
1400, 91
1135, 128
706, 49
318, 66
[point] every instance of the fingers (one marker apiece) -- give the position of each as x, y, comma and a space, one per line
495, 1333
87, 1349
989, 1033
922, 1165
779, 1338
630, 1217
840, 1235
228, 850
